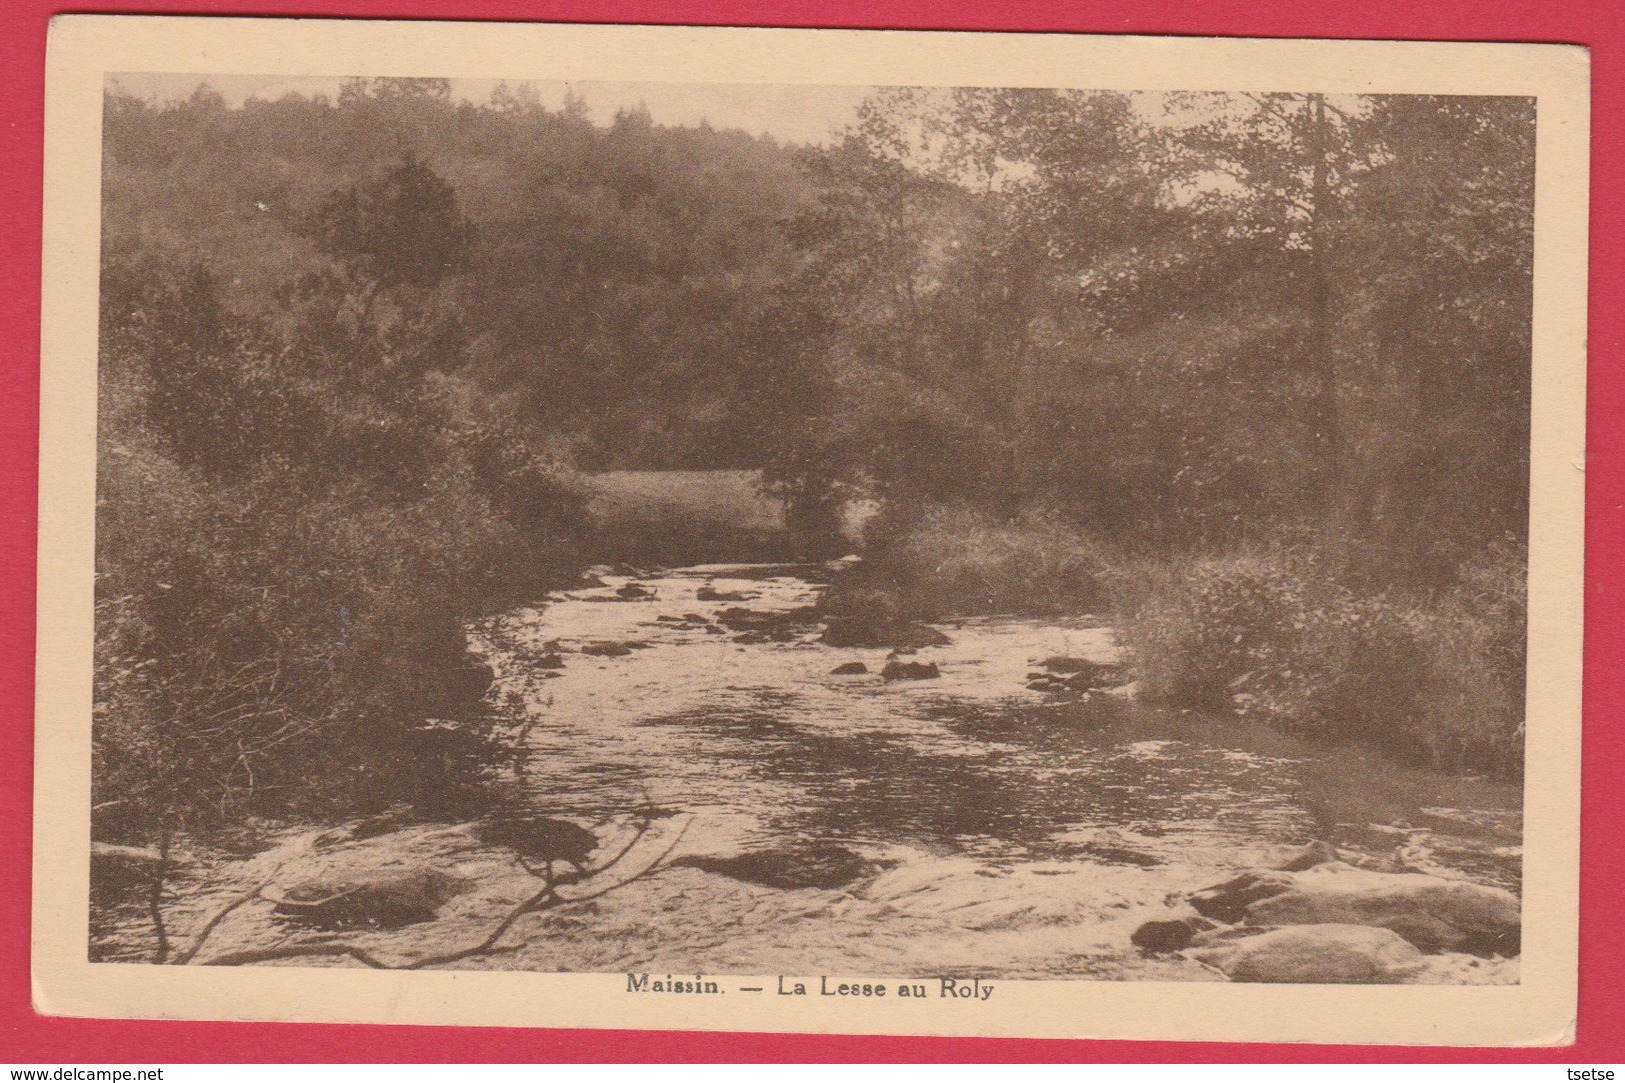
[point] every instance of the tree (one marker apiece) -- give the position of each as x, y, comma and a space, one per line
394, 89
403, 228
1439, 288
963, 247
847, 341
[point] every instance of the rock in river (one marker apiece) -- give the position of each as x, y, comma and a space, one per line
1315, 853
113, 865
821, 865
1316, 954
1431, 912
711, 594
385, 898
542, 839
1082, 675
1162, 937
899, 670
849, 669
850, 631
1228, 902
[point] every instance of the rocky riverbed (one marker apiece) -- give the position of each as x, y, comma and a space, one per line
990, 803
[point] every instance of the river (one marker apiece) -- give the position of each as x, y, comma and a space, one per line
988, 829
1012, 832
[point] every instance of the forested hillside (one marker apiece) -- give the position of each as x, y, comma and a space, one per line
1251, 369
614, 272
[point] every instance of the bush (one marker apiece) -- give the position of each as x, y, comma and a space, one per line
263, 649
280, 607
1272, 635
1479, 630
956, 561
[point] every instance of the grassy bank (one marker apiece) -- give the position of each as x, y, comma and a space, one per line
676, 517
1270, 633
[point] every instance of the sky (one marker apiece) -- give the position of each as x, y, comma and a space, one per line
799, 114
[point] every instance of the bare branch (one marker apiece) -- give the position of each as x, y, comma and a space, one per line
155, 899
547, 898
647, 868
298, 848
203, 934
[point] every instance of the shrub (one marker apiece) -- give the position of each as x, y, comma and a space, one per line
1272, 635
955, 561
280, 608
261, 648
1479, 632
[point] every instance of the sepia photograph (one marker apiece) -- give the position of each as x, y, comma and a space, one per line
907, 541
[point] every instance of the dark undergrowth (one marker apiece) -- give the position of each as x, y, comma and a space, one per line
293, 527
1268, 632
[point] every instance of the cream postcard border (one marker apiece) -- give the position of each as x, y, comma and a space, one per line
83, 49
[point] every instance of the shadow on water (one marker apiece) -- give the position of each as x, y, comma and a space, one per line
1019, 776
768, 749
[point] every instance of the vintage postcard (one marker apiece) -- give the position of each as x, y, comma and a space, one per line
811, 531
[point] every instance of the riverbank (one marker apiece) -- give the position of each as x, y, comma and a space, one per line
1271, 633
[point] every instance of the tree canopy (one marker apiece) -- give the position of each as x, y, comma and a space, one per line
1181, 321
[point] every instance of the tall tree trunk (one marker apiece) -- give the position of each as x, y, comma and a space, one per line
1325, 420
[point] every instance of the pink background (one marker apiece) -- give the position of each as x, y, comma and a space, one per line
1600, 24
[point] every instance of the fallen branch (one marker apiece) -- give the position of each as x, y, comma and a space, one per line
547, 898
203, 934
297, 848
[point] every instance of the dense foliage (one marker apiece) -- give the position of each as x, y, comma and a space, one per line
298, 509
1191, 322
1275, 347
612, 278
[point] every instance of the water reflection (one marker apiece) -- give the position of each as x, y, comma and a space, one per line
768, 748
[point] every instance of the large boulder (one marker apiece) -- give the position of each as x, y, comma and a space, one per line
1230, 901
820, 865
377, 898
1330, 954
1431, 912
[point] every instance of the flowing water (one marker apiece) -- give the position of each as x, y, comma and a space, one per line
1011, 832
